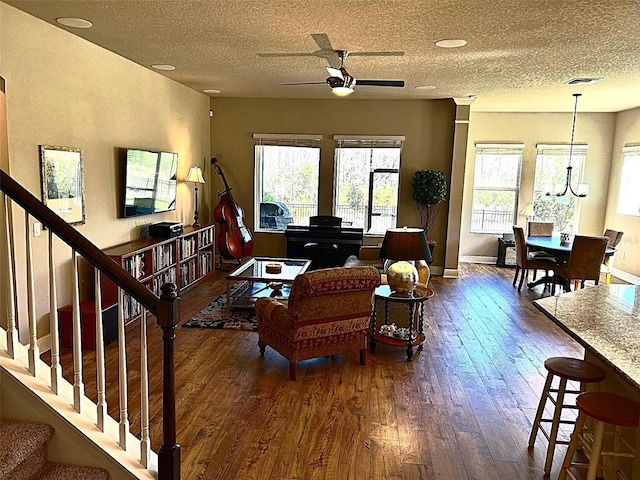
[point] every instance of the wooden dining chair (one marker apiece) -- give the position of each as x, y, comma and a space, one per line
526, 260
587, 254
614, 237
540, 229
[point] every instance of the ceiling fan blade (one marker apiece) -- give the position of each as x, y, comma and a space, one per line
381, 83
335, 72
302, 83
322, 39
376, 54
267, 55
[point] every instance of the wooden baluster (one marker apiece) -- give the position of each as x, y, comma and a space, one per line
34, 352
12, 331
56, 369
100, 364
145, 443
122, 373
78, 385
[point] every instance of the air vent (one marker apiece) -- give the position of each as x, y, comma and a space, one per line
582, 81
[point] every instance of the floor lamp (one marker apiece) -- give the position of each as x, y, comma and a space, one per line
195, 176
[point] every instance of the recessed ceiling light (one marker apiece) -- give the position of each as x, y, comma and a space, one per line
74, 22
211, 90
451, 43
425, 87
166, 68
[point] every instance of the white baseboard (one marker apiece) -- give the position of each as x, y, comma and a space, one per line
450, 273
478, 259
627, 277
44, 343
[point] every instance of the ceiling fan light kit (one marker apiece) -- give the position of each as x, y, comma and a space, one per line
339, 80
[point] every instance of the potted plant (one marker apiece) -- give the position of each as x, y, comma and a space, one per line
429, 191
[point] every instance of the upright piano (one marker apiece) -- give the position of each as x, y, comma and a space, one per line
326, 246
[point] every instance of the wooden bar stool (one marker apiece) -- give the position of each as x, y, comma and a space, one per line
565, 369
603, 408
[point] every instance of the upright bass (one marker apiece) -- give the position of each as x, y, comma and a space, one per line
234, 239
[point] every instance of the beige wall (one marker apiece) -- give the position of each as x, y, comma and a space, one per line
427, 125
594, 129
628, 256
63, 90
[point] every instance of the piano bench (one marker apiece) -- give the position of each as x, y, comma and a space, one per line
322, 255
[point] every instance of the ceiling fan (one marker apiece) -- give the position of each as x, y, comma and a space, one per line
342, 83
327, 51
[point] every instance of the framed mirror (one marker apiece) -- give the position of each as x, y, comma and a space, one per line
62, 174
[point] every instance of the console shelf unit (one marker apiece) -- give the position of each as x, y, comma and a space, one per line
183, 260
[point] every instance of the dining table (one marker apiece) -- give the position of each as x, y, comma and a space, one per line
605, 320
552, 246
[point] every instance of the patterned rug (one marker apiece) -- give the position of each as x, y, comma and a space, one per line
216, 315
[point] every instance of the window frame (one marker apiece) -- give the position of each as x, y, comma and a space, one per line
485, 148
282, 140
570, 153
370, 142
629, 180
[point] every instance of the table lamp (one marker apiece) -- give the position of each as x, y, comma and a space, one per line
404, 244
195, 176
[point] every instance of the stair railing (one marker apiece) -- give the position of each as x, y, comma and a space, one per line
166, 309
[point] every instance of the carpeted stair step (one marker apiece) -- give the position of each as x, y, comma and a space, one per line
22, 455
22, 449
56, 471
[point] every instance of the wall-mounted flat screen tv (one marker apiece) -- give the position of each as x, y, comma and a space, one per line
149, 182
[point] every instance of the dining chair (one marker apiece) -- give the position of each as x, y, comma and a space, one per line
614, 237
587, 254
526, 260
540, 229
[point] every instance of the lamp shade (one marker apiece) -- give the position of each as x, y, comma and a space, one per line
405, 244
527, 211
195, 175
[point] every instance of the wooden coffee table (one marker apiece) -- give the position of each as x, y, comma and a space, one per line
256, 282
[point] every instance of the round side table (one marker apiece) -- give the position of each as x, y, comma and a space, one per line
415, 337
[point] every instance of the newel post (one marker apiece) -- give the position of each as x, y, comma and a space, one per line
168, 318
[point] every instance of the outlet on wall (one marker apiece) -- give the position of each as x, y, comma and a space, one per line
37, 229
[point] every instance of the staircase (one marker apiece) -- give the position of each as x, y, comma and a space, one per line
22, 455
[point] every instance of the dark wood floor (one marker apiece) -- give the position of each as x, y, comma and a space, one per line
462, 409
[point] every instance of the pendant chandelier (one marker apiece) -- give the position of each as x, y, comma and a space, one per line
582, 189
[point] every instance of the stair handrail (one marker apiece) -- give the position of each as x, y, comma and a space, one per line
166, 308
77, 241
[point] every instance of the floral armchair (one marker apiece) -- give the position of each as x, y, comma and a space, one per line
328, 312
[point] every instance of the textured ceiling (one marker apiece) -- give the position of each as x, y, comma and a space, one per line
518, 56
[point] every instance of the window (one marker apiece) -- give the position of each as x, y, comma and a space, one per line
495, 187
550, 177
367, 174
287, 172
629, 199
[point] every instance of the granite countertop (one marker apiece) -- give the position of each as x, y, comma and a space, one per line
605, 319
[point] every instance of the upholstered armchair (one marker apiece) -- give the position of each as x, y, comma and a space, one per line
328, 312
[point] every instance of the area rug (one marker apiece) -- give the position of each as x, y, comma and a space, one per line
216, 315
